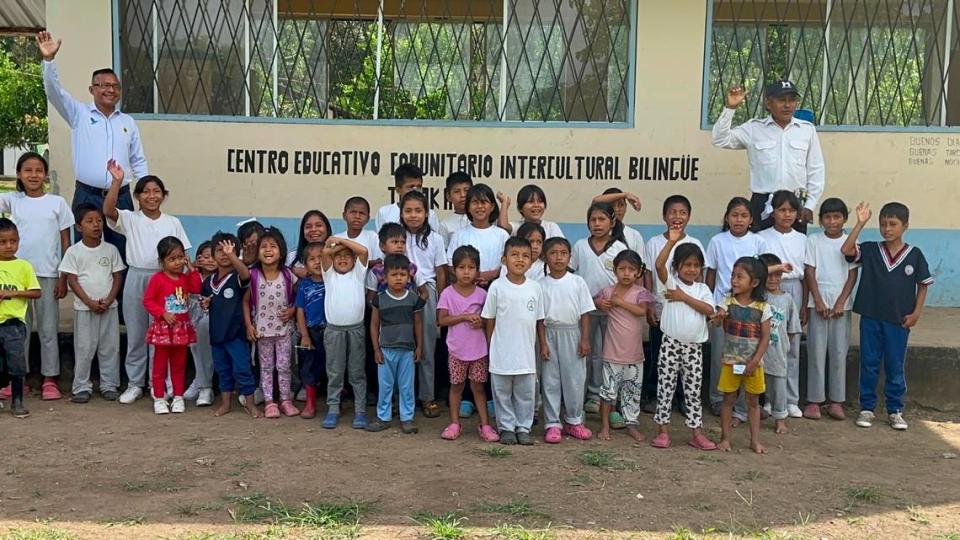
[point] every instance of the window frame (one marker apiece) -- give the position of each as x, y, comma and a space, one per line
629, 123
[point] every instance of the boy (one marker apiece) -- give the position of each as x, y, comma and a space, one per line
458, 184
890, 298
344, 264
396, 328
784, 325
18, 284
222, 292
94, 272
311, 322
356, 214
830, 280
407, 177
201, 388
514, 314
393, 241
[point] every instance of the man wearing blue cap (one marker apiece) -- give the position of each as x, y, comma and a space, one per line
783, 151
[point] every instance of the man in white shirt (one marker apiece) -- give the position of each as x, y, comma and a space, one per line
100, 132
783, 152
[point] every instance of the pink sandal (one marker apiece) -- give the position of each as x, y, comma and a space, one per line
288, 408
452, 432
487, 433
701, 442
271, 410
661, 441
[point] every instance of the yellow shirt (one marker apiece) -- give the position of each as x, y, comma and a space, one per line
16, 275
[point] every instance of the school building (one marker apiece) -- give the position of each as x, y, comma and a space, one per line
269, 108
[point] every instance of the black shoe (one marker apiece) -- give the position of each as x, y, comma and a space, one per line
110, 395
508, 438
80, 397
523, 438
376, 426
19, 411
408, 427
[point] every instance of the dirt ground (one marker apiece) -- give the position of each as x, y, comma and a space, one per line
103, 470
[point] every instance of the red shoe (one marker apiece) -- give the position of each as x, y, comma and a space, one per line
553, 435
701, 442
271, 410
7, 391
310, 407
288, 408
578, 431
812, 411
662, 440
49, 390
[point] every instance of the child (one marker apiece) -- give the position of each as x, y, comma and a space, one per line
397, 330
592, 259
248, 232
830, 279
483, 212
171, 331
534, 233
531, 203
223, 294
143, 229
723, 251
790, 247
459, 309
619, 200
626, 305
424, 250
458, 184
268, 313
201, 389
567, 307
94, 272
344, 264
407, 177
683, 324
393, 241
745, 319
311, 322
314, 229
356, 213
18, 285
513, 312
44, 221
890, 298
784, 325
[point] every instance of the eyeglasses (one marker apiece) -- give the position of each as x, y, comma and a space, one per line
107, 86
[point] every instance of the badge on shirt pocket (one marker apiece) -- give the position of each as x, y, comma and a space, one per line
608, 265
908, 270
228, 293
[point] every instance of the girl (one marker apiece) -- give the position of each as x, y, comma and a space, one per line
744, 316
425, 249
619, 199
201, 389
790, 247
684, 326
531, 203
592, 259
535, 234
314, 228
144, 229
171, 331
269, 312
459, 309
483, 212
44, 222
724, 249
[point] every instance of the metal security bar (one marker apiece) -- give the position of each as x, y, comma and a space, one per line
454, 60
856, 62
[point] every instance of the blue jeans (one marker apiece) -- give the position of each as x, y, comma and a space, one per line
232, 362
396, 369
882, 342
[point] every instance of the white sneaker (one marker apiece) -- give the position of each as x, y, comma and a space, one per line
205, 397
242, 400
258, 396
178, 405
160, 406
192, 393
768, 408
866, 419
897, 422
302, 395
131, 394
794, 412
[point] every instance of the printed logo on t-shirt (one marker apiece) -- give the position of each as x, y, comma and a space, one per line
608, 265
531, 305
908, 270
228, 293
176, 303
104, 261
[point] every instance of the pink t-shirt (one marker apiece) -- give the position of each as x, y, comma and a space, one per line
623, 343
464, 342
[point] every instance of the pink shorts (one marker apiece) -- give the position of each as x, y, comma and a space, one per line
461, 370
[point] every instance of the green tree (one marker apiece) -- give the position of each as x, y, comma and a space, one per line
23, 105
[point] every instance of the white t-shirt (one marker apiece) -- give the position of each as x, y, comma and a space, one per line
345, 298
143, 234
634, 240
451, 224
367, 239
489, 242
94, 268
679, 320
516, 309
722, 253
596, 270
565, 300
536, 271
550, 228
652, 251
791, 247
832, 268
429, 258
39, 221
390, 213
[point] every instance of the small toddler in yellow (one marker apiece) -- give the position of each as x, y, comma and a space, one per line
730, 382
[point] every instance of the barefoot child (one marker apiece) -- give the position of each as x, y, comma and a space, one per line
784, 325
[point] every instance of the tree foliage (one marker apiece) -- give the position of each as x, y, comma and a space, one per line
23, 105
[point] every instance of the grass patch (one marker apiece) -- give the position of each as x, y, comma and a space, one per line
193, 509
495, 452
133, 487
597, 458
125, 521
274, 532
864, 494
580, 479
519, 532
342, 520
447, 526
917, 515
518, 508
682, 533
42, 533
949, 536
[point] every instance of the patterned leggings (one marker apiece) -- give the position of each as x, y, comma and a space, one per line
685, 360
275, 352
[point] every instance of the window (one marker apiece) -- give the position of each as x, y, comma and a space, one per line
445, 60
856, 63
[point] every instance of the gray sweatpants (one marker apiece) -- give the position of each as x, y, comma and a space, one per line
794, 288
717, 339
201, 351
426, 367
827, 339
513, 396
776, 395
598, 329
137, 320
44, 313
96, 334
346, 354
562, 377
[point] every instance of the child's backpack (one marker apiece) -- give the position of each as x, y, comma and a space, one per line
256, 275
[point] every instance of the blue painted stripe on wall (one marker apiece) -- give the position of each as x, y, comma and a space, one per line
940, 246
